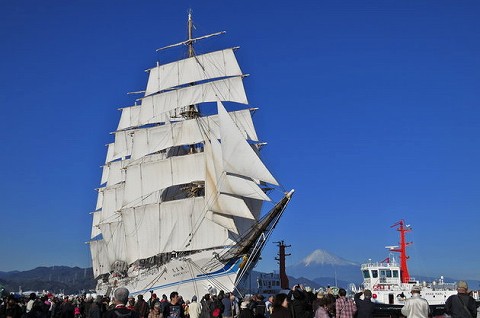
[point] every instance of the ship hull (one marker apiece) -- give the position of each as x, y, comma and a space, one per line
397, 297
196, 274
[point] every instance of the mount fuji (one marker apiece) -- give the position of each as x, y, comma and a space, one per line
321, 266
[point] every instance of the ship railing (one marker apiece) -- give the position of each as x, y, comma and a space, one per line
379, 264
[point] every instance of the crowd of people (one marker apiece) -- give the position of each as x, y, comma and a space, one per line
298, 303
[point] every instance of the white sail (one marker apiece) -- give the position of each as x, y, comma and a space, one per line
129, 118
238, 155
201, 67
156, 173
230, 184
187, 132
154, 107
168, 226
100, 261
109, 152
112, 201
114, 237
96, 220
99, 204
114, 172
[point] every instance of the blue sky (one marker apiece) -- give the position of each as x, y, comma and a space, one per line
370, 110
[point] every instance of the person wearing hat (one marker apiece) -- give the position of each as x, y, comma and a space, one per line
461, 305
365, 307
416, 306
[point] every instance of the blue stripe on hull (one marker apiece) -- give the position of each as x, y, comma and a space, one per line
225, 271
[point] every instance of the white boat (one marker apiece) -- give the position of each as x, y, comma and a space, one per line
181, 203
390, 281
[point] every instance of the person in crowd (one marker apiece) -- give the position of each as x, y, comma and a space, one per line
10, 308
259, 310
205, 304
195, 308
365, 307
96, 308
141, 307
228, 306
269, 306
281, 307
235, 306
86, 307
120, 310
216, 305
153, 299
156, 311
67, 310
461, 305
29, 307
246, 310
186, 308
131, 303
163, 302
344, 307
321, 311
316, 302
299, 305
416, 306
174, 308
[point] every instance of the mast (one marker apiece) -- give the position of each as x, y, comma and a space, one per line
190, 111
281, 261
402, 228
191, 52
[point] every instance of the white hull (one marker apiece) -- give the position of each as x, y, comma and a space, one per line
397, 295
196, 274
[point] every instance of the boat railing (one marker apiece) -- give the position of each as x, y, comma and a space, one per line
379, 264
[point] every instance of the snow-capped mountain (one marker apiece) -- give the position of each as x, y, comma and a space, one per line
321, 264
321, 257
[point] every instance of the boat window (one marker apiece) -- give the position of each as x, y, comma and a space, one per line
389, 273
366, 274
374, 273
395, 273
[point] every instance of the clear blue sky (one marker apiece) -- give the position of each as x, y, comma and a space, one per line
371, 111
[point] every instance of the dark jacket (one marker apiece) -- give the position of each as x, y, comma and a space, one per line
121, 312
173, 311
365, 307
281, 312
455, 306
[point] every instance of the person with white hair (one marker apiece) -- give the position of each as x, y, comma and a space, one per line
120, 299
416, 306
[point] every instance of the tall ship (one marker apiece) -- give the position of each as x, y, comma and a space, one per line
185, 203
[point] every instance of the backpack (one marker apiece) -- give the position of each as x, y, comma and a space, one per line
216, 308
